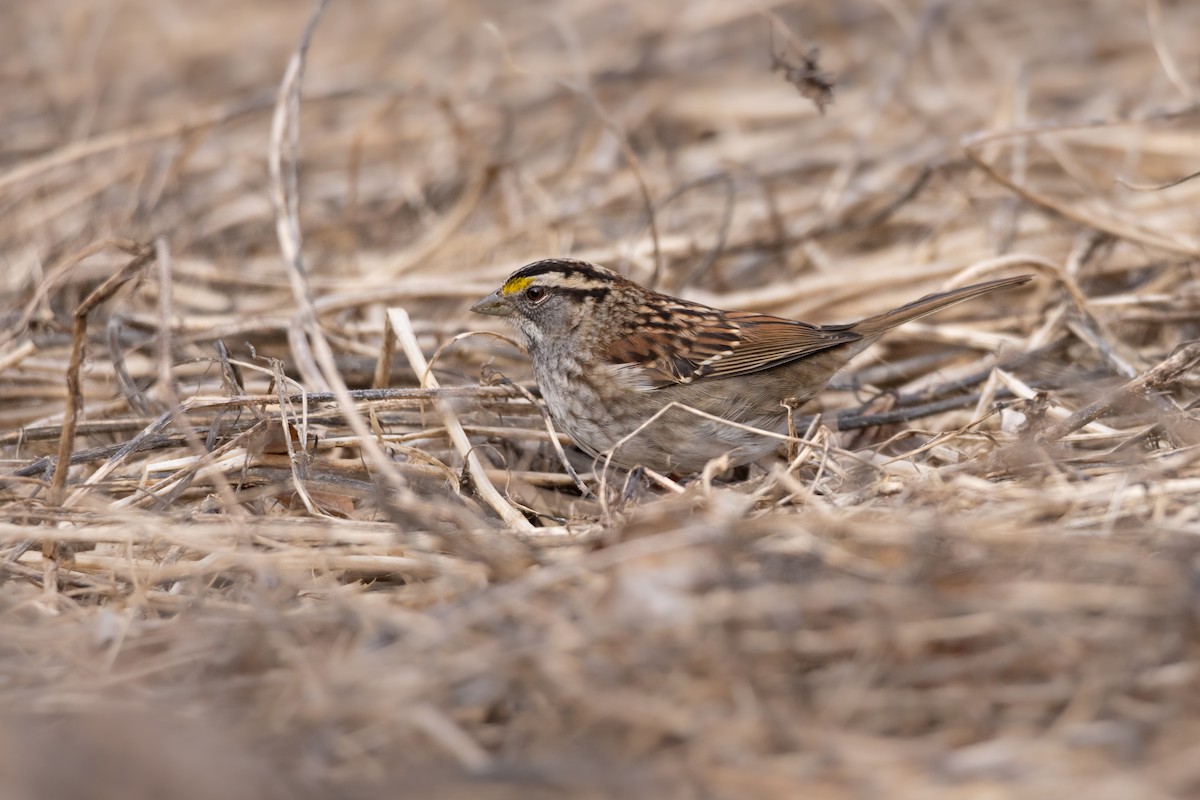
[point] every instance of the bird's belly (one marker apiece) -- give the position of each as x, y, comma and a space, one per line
640, 427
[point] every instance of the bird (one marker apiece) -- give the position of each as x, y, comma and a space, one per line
621, 367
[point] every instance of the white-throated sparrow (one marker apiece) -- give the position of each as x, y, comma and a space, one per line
609, 354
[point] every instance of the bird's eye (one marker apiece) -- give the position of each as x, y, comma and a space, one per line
535, 294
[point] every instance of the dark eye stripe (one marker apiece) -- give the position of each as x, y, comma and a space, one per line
598, 294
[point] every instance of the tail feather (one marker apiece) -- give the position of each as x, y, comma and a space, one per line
880, 323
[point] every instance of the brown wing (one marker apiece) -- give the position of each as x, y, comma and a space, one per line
688, 342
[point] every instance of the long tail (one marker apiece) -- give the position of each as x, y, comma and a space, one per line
873, 326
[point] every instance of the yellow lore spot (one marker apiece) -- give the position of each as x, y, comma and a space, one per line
515, 285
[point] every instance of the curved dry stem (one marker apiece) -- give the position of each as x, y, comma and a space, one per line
401, 327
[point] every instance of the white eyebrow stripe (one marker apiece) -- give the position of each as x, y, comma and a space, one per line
572, 281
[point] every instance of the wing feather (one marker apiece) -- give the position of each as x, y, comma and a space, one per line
690, 342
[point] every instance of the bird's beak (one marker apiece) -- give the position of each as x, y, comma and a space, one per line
495, 304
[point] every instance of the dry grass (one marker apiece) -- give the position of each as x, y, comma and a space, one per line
249, 551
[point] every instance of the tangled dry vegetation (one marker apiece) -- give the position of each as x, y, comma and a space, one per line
251, 549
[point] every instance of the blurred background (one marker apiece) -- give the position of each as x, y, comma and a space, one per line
471, 137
